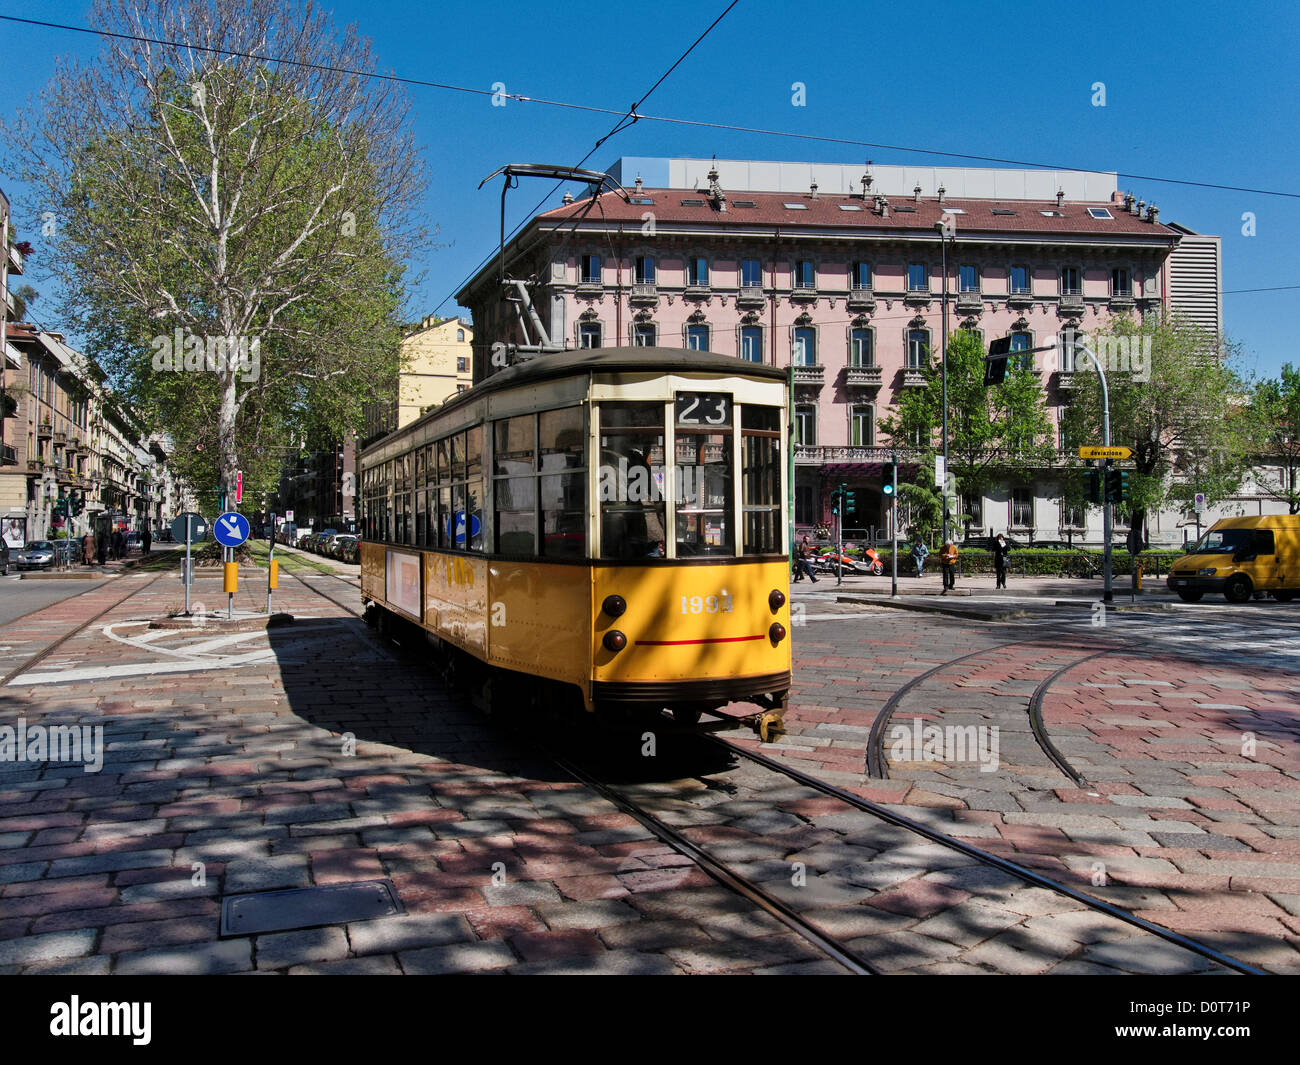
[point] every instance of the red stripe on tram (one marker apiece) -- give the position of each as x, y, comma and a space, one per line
711, 639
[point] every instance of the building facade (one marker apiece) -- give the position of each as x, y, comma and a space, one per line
844, 280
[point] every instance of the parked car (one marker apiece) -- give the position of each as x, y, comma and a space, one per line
323, 541
36, 554
342, 544
352, 551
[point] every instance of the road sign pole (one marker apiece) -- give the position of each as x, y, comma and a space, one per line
185, 577
893, 528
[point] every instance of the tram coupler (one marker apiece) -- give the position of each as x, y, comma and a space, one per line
768, 725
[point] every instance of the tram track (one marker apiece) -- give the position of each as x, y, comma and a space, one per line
823, 940
45, 652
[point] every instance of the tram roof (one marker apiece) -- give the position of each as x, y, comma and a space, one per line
591, 361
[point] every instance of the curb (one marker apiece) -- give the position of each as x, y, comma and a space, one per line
217, 620
974, 614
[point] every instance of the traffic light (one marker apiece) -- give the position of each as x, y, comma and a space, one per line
78, 504
835, 502
887, 474
1092, 488
1117, 489
995, 366
850, 500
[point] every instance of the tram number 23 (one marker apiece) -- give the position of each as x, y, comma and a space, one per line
707, 604
703, 408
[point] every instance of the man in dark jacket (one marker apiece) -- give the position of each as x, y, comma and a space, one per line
1000, 549
146, 541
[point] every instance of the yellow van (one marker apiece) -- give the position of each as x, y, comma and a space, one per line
1241, 556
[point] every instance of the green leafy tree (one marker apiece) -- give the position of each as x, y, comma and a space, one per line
242, 218
1177, 400
1276, 409
994, 432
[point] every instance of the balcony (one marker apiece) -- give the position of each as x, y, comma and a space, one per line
644, 293
864, 376
590, 287
810, 375
8, 456
917, 297
697, 292
60, 437
803, 292
1020, 299
34, 466
15, 260
970, 301
1122, 301
821, 455
752, 297
44, 430
914, 379
1070, 304
861, 299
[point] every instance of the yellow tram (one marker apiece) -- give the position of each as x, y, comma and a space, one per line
611, 523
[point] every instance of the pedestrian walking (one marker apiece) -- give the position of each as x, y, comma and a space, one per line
117, 544
88, 549
1000, 549
948, 563
919, 554
101, 547
803, 562
146, 541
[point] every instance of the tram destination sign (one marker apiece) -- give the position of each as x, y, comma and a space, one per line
1105, 452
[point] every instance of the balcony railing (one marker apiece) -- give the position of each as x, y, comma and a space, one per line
810, 375
969, 301
861, 299
864, 376
914, 378
1022, 298
644, 292
751, 296
1070, 303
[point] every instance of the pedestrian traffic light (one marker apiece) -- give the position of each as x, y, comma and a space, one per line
1117, 489
887, 473
1092, 489
850, 500
995, 365
835, 502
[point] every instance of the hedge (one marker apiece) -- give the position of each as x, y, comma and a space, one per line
1031, 563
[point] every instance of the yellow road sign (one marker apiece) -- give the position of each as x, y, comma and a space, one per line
1105, 452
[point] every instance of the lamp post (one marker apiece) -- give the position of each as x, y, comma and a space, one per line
944, 237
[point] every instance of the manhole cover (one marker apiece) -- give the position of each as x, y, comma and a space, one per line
293, 908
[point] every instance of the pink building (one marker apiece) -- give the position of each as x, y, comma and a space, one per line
845, 282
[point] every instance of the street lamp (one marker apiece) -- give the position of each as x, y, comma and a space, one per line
944, 237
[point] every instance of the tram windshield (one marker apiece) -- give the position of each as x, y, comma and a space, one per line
634, 478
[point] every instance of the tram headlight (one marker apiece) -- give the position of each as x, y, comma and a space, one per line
776, 633
614, 641
776, 599
614, 605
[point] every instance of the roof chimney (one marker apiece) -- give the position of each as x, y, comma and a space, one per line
1142, 206
916, 194
1129, 201
637, 190
1153, 213
884, 207
1060, 197
716, 194
942, 190
866, 182
567, 198
813, 189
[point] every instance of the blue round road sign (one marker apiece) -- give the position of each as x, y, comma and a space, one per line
231, 529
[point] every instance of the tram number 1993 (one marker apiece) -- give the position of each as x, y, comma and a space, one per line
708, 604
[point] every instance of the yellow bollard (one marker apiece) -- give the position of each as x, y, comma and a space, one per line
232, 577
275, 574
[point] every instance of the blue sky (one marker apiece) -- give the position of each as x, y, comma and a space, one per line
1198, 91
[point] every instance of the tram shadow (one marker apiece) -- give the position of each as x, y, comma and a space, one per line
385, 710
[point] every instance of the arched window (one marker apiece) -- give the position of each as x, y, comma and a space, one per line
460, 335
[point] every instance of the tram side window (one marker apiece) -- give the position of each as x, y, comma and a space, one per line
404, 523
421, 496
442, 454
562, 490
760, 479
431, 498
515, 485
632, 523
388, 501
461, 496
705, 489
474, 489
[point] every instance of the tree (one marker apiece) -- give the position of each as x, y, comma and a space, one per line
993, 432
228, 230
1276, 406
1177, 400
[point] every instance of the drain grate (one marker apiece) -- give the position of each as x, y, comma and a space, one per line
290, 909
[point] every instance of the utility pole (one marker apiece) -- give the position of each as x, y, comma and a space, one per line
943, 487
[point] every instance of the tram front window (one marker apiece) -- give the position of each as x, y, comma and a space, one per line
705, 477
632, 480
